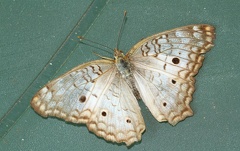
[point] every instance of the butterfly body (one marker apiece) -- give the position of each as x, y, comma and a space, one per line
103, 93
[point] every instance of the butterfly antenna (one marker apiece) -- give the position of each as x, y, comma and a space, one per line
106, 58
82, 38
121, 29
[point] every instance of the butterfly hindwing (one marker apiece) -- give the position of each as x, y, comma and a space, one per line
118, 117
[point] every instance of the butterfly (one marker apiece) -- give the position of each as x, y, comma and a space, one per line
103, 94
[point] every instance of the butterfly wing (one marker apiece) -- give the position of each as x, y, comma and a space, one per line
93, 94
118, 117
164, 66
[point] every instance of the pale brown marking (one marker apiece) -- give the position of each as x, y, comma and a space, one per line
164, 67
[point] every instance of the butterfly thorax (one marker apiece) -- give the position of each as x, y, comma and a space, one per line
122, 64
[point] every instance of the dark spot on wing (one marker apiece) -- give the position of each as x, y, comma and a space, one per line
128, 121
164, 104
175, 60
104, 113
173, 81
82, 99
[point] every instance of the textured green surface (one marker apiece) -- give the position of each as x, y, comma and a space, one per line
33, 31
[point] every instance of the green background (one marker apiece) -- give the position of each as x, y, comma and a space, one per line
38, 42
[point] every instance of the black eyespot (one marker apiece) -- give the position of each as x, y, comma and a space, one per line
104, 113
173, 81
82, 99
175, 60
164, 104
128, 121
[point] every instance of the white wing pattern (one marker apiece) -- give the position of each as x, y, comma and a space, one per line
102, 93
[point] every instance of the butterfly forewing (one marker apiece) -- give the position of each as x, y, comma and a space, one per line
68, 96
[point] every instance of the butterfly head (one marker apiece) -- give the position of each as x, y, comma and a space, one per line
118, 54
